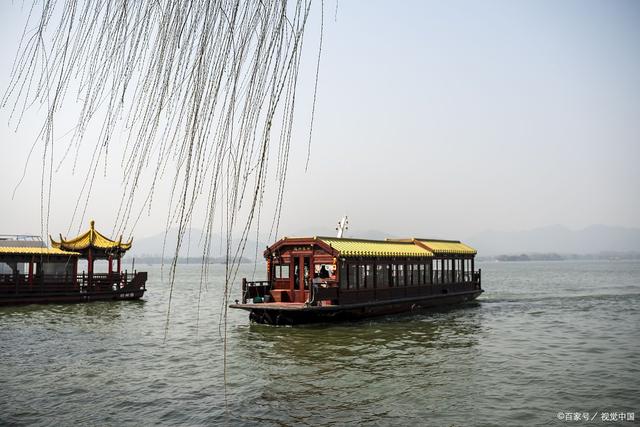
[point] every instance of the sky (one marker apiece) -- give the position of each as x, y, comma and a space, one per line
439, 119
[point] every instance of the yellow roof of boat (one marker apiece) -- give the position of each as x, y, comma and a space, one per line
26, 250
448, 247
375, 248
441, 247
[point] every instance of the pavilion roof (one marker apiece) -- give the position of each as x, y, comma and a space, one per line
91, 239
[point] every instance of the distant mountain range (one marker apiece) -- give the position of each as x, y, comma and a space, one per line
192, 246
558, 239
555, 239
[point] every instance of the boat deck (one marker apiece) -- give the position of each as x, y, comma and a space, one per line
297, 306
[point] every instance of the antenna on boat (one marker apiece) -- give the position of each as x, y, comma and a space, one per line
342, 225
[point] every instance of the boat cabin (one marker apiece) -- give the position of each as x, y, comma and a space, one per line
25, 261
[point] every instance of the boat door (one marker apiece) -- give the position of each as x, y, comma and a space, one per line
301, 277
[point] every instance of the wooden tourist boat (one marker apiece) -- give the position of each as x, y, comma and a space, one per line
31, 272
321, 279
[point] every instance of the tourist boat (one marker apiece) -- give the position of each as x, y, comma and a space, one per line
31, 272
323, 279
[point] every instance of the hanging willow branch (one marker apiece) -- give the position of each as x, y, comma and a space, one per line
193, 87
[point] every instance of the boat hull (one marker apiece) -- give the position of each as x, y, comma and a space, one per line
69, 297
17, 291
291, 314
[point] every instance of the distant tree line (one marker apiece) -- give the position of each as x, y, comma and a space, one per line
552, 256
187, 260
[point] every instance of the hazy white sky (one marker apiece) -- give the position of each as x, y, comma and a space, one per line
433, 118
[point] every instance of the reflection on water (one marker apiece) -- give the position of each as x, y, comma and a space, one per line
453, 328
544, 338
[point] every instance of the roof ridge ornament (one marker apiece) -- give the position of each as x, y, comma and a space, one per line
343, 225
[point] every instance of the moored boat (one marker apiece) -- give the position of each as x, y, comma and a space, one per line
31, 272
323, 279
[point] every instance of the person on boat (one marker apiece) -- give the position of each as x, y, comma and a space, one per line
324, 273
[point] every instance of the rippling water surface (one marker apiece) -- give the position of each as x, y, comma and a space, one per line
544, 338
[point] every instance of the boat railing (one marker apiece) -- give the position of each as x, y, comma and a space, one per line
112, 281
254, 289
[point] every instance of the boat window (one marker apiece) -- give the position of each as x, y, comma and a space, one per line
416, 275
448, 268
307, 271
444, 272
282, 271
57, 268
353, 276
467, 270
458, 269
100, 266
400, 275
324, 271
368, 276
344, 280
296, 274
6, 269
361, 276
427, 273
394, 273
382, 275
437, 271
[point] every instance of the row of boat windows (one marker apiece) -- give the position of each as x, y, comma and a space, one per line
387, 275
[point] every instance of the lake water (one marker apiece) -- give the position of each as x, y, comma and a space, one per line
544, 340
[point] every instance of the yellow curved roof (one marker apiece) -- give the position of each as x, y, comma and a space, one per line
448, 247
91, 239
26, 250
375, 248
